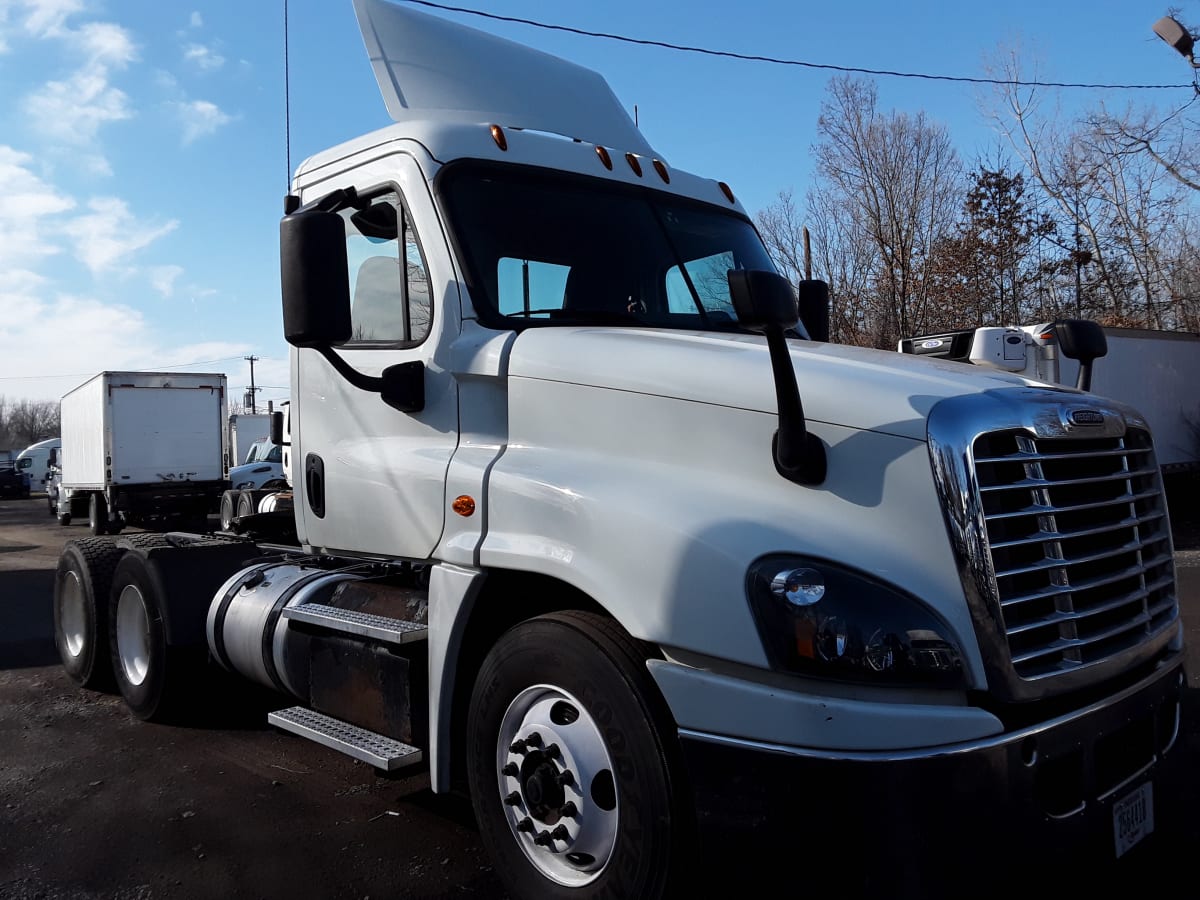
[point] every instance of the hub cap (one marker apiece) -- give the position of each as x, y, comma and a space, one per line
72, 616
556, 785
133, 634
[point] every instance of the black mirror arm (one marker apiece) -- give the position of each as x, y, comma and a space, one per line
363, 382
799, 455
401, 386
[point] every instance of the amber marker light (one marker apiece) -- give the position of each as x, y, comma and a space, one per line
463, 505
634, 164
499, 138
726, 191
604, 158
661, 169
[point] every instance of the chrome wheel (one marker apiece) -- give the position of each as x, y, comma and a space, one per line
72, 613
557, 785
133, 634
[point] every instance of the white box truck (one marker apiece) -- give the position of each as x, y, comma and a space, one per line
143, 448
244, 430
675, 598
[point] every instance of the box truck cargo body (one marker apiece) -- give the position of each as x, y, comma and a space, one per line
143, 448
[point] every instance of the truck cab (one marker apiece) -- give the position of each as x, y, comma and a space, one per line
582, 529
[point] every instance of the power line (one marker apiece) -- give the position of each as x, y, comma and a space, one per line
749, 57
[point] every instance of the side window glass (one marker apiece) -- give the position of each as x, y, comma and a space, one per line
389, 284
527, 287
708, 274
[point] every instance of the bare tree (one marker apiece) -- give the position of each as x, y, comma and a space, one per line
894, 179
26, 422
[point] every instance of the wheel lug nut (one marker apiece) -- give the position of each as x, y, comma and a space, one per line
543, 839
511, 770
526, 824
568, 810
565, 778
517, 747
553, 752
534, 739
513, 799
560, 833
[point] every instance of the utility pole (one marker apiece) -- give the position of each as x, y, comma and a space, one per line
253, 390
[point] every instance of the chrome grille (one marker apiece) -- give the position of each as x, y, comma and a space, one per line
1079, 545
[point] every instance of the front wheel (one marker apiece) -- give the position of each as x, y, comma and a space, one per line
571, 766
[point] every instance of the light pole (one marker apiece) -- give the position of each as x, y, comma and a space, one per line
1173, 33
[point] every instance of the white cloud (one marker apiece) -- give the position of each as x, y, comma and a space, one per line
196, 21
162, 278
200, 118
47, 18
72, 111
110, 233
105, 44
25, 201
203, 58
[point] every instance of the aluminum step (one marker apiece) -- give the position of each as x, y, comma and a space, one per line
382, 752
393, 631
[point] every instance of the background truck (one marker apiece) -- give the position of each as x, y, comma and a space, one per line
13, 482
244, 430
36, 461
144, 449
1155, 372
674, 598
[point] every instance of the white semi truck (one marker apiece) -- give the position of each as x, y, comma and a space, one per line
585, 533
244, 430
143, 448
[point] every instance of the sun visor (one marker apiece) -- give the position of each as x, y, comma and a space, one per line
428, 67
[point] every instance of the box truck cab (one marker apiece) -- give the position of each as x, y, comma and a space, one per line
670, 594
36, 461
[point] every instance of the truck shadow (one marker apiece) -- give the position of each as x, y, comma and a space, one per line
27, 619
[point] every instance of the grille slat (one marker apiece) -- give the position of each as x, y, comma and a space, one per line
1040, 509
1027, 483
1080, 552
1024, 456
1042, 536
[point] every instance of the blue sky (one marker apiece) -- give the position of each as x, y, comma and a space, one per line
142, 160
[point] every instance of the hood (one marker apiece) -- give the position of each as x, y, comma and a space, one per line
871, 390
430, 68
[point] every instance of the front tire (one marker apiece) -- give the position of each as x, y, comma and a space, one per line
81, 587
571, 766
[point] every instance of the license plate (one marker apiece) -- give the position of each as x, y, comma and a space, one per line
1133, 817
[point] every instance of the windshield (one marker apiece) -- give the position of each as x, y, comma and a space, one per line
547, 249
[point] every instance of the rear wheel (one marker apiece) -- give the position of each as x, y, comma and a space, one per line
155, 678
568, 761
229, 501
98, 514
247, 503
81, 587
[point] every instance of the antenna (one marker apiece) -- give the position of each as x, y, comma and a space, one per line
287, 104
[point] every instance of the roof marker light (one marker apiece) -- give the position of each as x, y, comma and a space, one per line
661, 169
499, 138
726, 191
634, 164
604, 158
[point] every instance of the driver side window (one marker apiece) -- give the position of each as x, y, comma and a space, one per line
389, 282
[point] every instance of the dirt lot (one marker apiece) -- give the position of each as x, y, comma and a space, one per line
94, 804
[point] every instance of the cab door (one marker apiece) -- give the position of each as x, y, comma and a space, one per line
369, 478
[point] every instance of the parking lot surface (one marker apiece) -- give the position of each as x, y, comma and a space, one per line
96, 804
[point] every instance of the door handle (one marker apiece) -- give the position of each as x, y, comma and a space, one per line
314, 484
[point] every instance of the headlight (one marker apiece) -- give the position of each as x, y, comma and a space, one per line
816, 618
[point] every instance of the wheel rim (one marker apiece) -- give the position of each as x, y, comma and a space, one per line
133, 634
556, 785
72, 615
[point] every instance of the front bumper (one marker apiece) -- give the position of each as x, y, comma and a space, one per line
1023, 807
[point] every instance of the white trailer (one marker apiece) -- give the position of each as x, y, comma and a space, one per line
244, 430
1156, 372
143, 448
686, 605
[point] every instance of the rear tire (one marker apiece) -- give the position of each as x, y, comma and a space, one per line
229, 505
98, 514
156, 679
81, 588
247, 503
600, 815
